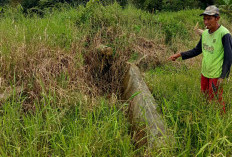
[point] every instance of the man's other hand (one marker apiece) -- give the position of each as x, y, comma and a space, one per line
220, 82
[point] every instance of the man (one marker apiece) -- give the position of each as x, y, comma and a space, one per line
216, 46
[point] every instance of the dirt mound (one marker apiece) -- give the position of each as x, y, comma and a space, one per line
150, 54
41, 69
105, 72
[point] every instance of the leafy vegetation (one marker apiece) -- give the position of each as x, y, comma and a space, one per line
150, 5
70, 105
199, 126
74, 130
167, 5
227, 8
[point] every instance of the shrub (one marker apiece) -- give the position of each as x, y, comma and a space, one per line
226, 8
38, 6
205, 3
26, 4
149, 5
2, 2
168, 5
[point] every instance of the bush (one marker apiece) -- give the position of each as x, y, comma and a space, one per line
150, 5
37, 6
205, 3
167, 5
26, 4
172, 28
226, 8
3, 2
176, 5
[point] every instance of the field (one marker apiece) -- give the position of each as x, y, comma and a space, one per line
70, 104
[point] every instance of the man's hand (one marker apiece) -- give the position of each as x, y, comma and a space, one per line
199, 31
174, 57
220, 82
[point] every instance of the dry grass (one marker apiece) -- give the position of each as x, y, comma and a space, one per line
41, 69
61, 57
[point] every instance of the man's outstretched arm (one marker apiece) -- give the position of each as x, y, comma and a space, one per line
188, 54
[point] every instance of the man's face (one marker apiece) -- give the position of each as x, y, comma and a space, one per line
211, 22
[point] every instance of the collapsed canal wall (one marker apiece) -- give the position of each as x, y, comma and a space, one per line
148, 125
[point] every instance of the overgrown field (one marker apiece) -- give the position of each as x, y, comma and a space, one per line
200, 127
70, 100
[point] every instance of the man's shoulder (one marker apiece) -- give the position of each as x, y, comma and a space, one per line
206, 31
220, 32
224, 30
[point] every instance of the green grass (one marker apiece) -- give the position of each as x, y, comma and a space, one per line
52, 130
198, 126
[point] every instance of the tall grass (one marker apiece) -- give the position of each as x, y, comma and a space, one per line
63, 110
199, 126
74, 130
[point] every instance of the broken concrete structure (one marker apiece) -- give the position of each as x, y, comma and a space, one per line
146, 121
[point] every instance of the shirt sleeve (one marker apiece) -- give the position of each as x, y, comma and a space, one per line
192, 53
227, 44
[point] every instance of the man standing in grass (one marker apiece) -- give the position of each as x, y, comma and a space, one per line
216, 46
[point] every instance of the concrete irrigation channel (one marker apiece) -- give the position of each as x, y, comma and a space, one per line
148, 126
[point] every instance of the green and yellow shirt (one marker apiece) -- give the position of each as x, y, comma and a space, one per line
217, 53
213, 52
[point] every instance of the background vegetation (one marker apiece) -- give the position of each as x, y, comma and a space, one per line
70, 106
150, 5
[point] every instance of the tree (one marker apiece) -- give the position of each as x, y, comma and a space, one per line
205, 3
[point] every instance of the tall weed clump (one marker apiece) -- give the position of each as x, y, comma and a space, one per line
38, 46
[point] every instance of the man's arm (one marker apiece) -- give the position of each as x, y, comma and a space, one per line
192, 53
227, 44
188, 54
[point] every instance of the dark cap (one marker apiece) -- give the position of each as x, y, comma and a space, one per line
211, 10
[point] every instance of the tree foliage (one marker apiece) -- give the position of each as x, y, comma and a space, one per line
227, 7
149, 5
39, 5
172, 5
2, 2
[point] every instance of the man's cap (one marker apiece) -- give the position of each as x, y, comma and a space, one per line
211, 10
